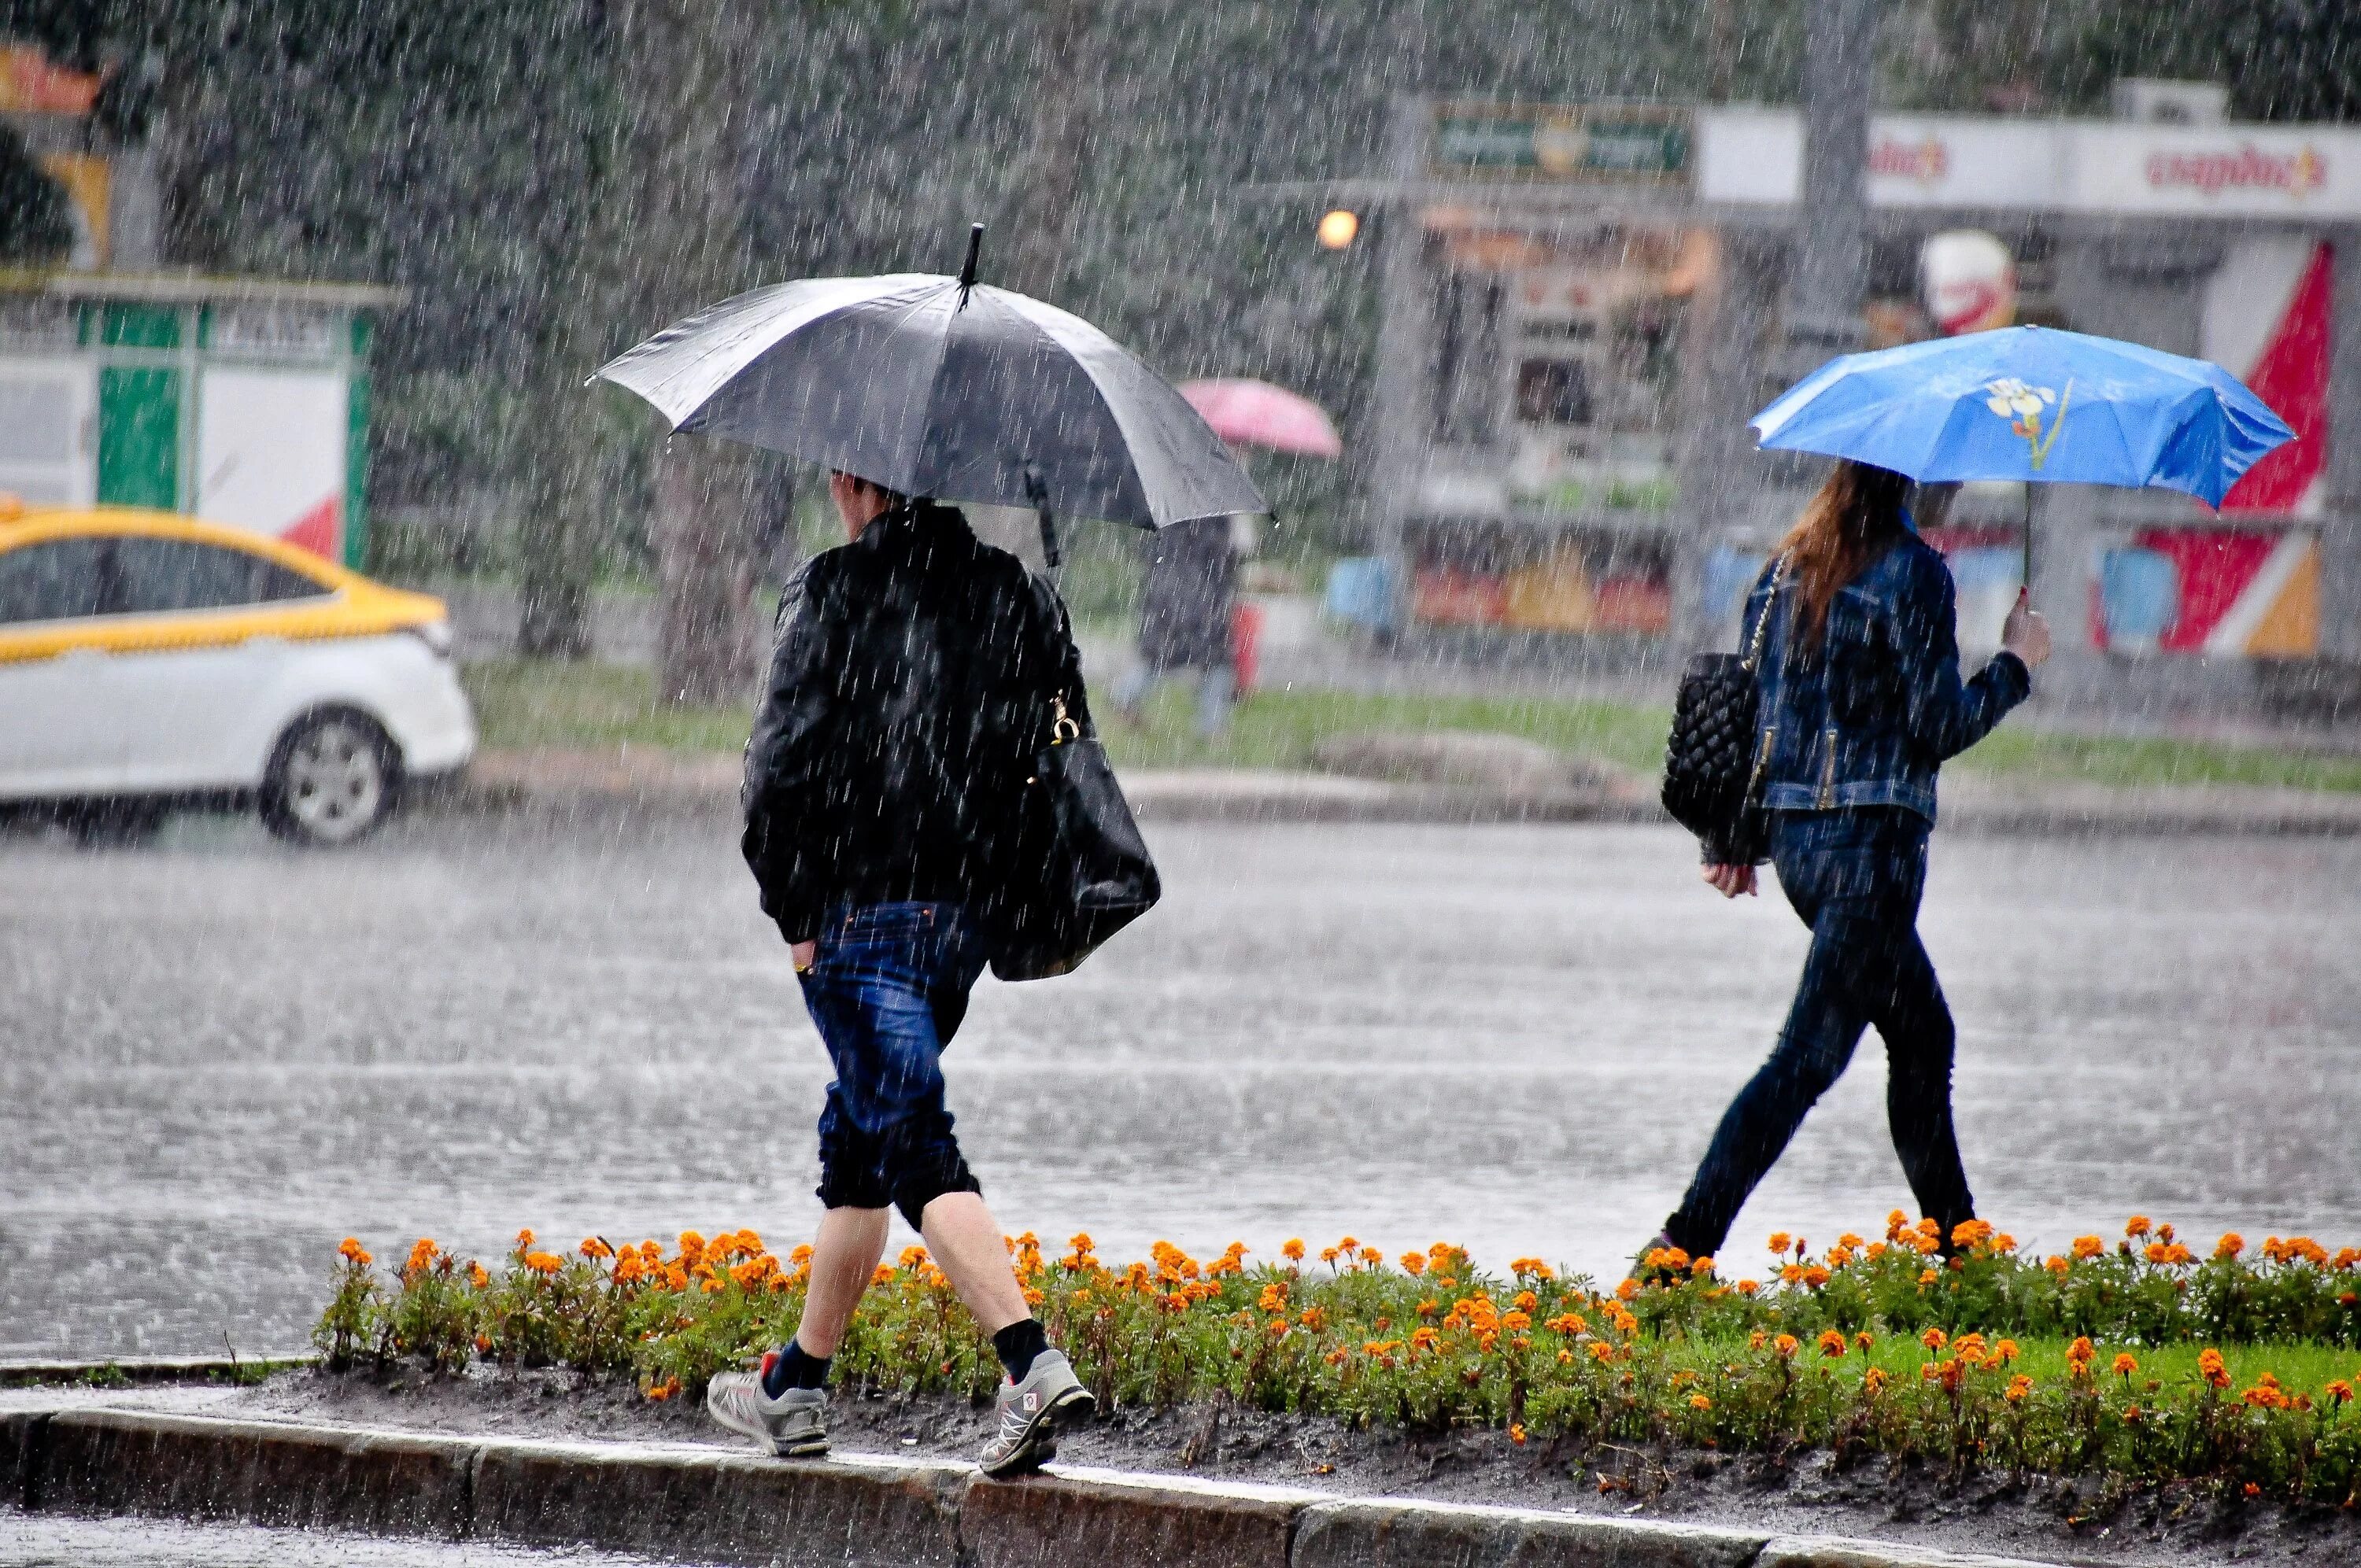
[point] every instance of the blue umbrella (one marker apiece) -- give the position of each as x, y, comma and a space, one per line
2030, 403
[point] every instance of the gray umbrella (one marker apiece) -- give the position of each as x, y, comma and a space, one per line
946, 388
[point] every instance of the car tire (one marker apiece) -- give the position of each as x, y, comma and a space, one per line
114, 824
333, 779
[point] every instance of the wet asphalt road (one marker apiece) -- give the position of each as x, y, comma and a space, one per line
217, 1057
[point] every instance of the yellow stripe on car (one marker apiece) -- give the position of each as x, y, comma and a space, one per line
349, 604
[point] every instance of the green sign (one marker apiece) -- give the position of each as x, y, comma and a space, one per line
1624, 146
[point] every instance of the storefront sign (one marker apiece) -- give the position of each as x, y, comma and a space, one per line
1622, 146
1755, 157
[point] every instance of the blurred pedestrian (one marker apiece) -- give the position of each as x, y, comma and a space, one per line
914, 678
1862, 703
1184, 620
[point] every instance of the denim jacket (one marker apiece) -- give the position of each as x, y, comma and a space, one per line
1867, 719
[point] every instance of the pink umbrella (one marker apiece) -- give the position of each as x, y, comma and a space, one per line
1255, 413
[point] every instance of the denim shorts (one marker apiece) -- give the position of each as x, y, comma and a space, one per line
887, 989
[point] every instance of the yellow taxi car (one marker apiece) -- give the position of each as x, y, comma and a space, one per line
150, 662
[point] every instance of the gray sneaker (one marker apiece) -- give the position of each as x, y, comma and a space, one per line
793, 1426
1051, 1399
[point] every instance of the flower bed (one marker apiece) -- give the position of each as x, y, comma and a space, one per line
2139, 1362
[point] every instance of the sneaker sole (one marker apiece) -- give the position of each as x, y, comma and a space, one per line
760, 1435
1039, 1443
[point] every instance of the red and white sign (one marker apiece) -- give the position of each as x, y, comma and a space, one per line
1755, 157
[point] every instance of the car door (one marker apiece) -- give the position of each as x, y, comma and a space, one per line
61, 731
193, 677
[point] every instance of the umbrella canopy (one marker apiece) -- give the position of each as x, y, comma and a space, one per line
1255, 413
943, 387
2031, 404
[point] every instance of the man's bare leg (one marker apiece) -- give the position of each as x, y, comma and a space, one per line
845, 1255
966, 1244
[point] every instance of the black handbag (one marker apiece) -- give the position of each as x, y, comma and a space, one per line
1714, 757
1079, 871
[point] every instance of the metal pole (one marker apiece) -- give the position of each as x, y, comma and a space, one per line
1404, 425
1825, 289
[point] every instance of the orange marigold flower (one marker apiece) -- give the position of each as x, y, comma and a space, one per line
1601, 1351
1702, 1269
1699, 1402
2209, 1367
1514, 1321
1864, 1339
1413, 1264
483, 1345
2006, 1350
2341, 1391
1928, 1276
2124, 1365
1568, 1323
1517, 1433
1785, 1345
883, 1275
1832, 1342
2136, 1227
544, 1263
1629, 1288
2018, 1387
477, 1275
1815, 1277
2057, 1265
2088, 1247
1876, 1250
594, 1248
1934, 1339
1314, 1319
1749, 1287
2082, 1353
352, 1251
1873, 1380
1757, 1340
1423, 1338
1328, 1255
524, 1240
2231, 1244
1778, 1242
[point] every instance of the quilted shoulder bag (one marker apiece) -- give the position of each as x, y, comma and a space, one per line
1712, 760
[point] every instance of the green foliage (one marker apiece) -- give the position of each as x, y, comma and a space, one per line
2108, 1362
36, 217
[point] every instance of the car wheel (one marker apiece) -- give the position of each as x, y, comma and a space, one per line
333, 778
114, 824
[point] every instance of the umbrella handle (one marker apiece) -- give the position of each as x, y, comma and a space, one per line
2025, 573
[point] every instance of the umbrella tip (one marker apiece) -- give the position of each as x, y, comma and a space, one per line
974, 249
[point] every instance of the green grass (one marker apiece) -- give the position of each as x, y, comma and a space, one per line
525, 703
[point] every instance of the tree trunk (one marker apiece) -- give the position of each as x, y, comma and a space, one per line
704, 536
1040, 222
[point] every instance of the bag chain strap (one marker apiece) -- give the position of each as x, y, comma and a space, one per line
1762, 621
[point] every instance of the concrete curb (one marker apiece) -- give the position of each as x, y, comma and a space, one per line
850, 1511
639, 780
147, 1369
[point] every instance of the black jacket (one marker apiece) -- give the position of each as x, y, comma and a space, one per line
910, 687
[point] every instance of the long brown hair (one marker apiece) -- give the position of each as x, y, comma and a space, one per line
1855, 516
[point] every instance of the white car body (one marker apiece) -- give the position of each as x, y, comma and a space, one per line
90, 723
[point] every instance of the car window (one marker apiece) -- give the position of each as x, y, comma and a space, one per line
160, 576
56, 580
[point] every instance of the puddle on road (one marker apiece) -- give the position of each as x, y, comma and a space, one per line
56, 1540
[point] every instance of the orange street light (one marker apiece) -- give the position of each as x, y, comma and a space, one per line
1337, 228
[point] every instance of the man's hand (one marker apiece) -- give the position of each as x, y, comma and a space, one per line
1729, 880
2026, 633
804, 952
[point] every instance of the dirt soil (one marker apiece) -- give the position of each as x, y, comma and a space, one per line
1801, 1492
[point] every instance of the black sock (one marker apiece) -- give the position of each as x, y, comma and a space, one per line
794, 1368
1017, 1345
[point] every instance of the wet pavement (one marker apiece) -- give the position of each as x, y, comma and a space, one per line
217, 1057
56, 1541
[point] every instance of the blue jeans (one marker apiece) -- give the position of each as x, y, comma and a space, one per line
1855, 878
887, 989
1218, 689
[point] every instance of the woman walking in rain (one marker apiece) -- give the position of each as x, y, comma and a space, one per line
1862, 703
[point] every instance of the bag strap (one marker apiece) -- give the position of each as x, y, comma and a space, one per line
1762, 621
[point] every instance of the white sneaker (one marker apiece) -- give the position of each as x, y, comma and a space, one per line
793, 1426
1051, 1399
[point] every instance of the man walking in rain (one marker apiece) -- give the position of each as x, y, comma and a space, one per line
913, 669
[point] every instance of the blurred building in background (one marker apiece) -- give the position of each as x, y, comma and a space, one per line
1582, 312
243, 400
